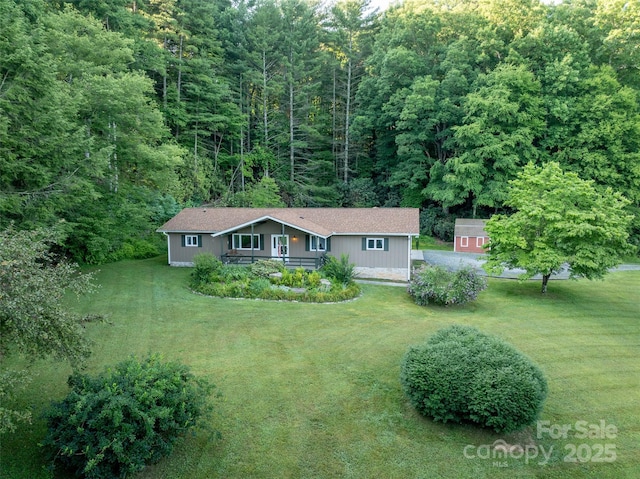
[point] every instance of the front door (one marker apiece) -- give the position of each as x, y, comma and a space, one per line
280, 246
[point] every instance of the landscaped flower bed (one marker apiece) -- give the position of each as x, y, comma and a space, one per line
270, 280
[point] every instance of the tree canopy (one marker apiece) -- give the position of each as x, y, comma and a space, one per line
115, 114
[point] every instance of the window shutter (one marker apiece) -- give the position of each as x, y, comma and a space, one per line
199, 241
307, 243
230, 242
261, 242
182, 240
364, 244
328, 244
386, 244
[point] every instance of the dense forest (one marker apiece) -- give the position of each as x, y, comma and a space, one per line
114, 114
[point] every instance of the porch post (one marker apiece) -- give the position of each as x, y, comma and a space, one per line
410, 241
282, 239
168, 247
251, 243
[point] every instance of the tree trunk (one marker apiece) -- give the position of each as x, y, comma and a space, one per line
347, 112
179, 69
242, 146
113, 159
179, 83
545, 280
195, 143
334, 122
291, 136
265, 103
164, 77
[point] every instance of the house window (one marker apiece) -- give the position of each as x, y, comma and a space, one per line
375, 244
318, 244
242, 241
479, 241
464, 241
191, 240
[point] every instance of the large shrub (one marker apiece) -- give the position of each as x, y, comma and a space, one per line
462, 375
434, 284
112, 425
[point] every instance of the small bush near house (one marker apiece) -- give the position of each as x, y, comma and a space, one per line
340, 270
258, 286
232, 272
264, 268
112, 425
463, 375
434, 284
204, 265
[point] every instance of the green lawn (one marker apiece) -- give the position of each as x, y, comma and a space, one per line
312, 390
429, 242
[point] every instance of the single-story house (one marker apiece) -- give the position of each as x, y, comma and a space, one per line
469, 236
377, 240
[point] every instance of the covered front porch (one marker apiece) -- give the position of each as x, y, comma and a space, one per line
269, 239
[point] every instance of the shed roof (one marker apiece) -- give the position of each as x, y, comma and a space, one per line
319, 221
470, 227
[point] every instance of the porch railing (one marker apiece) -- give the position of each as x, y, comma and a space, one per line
289, 261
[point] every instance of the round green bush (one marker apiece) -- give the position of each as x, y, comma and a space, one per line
463, 375
114, 424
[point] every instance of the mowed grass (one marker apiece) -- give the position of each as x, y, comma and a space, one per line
312, 390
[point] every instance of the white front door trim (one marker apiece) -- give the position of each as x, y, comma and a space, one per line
280, 246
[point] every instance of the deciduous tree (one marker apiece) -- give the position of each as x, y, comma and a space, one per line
34, 320
559, 221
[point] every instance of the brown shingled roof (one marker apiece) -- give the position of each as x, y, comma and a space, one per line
321, 221
470, 227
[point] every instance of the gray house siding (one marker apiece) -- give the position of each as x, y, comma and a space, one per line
180, 255
394, 257
391, 262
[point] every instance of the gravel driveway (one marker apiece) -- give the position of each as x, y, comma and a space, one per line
453, 261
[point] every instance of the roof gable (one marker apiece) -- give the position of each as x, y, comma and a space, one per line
319, 221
